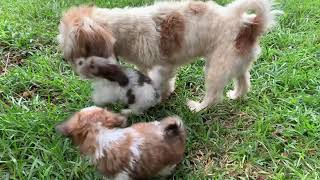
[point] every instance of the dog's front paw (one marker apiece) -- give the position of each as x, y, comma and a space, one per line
194, 106
232, 95
99, 102
127, 112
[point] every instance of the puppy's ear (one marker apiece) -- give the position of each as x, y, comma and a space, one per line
112, 72
63, 129
116, 121
69, 125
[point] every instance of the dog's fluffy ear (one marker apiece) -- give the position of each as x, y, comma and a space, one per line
63, 129
112, 72
81, 36
93, 40
66, 127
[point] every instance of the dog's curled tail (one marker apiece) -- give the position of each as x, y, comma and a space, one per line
81, 36
265, 15
252, 26
173, 128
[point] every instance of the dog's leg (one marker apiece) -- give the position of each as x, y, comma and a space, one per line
241, 86
168, 84
218, 74
131, 110
242, 81
168, 80
165, 80
172, 84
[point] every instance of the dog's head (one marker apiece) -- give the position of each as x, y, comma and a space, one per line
82, 127
81, 36
97, 67
94, 66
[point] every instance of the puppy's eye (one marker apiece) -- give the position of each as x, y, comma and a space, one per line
80, 63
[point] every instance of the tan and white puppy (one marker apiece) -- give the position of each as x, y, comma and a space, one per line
171, 34
140, 151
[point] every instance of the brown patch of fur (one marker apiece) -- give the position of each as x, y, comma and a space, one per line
97, 67
158, 153
116, 158
92, 39
248, 36
81, 127
172, 33
197, 7
94, 42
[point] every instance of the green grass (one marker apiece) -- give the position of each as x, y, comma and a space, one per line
272, 133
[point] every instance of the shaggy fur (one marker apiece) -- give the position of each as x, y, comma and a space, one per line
170, 34
112, 83
141, 151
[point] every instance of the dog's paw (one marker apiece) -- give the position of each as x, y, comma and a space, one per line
194, 106
172, 85
232, 95
127, 112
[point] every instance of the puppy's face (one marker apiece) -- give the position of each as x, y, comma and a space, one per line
85, 123
93, 66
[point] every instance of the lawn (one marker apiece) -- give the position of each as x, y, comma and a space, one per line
273, 133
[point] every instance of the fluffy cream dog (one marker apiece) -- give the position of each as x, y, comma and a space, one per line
171, 34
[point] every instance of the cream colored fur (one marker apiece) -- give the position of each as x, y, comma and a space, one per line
210, 35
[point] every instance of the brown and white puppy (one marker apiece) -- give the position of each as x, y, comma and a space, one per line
141, 151
171, 34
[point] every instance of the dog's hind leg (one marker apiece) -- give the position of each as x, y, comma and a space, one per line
218, 74
241, 86
242, 80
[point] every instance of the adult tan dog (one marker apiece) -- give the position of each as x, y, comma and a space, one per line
170, 34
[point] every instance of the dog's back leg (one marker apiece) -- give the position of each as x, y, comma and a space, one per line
242, 80
241, 86
220, 69
168, 77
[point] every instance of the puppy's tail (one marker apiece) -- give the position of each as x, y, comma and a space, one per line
252, 26
173, 127
81, 36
